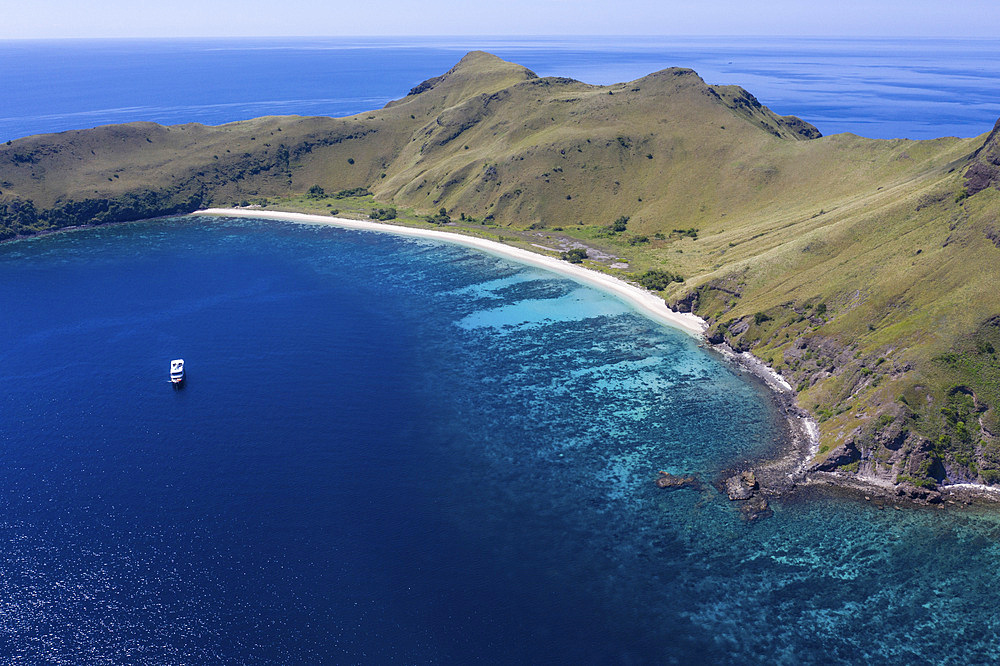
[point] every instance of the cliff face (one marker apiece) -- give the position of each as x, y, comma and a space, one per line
985, 169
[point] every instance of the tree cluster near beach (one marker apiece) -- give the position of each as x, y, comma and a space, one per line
441, 217
656, 279
873, 308
384, 214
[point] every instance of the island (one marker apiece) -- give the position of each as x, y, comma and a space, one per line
862, 272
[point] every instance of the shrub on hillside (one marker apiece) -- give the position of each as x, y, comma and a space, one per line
656, 279
353, 192
690, 233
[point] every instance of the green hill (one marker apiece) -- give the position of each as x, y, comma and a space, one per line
864, 270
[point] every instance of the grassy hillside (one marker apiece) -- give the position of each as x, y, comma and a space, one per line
863, 269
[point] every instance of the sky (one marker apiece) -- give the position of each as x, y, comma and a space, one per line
42, 19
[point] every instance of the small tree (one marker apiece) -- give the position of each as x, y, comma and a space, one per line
316, 192
656, 279
383, 214
574, 256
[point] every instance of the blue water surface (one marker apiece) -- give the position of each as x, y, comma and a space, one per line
393, 450
879, 88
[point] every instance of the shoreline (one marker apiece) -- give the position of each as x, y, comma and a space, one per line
779, 474
639, 298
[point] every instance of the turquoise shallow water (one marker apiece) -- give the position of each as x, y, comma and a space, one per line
395, 451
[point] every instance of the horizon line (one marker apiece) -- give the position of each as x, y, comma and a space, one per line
507, 37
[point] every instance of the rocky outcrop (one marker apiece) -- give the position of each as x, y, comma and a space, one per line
741, 486
743, 104
985, 169
687, 303
918, 493
672, 481
744, 488
756, 508
845, 454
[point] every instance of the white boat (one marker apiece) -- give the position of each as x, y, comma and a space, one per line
177, 371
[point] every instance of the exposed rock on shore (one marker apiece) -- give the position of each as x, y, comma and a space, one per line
744, 488
741, 486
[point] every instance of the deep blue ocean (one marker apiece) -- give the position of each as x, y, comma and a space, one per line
879, 88
399, 451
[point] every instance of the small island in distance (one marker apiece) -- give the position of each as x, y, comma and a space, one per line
861, 270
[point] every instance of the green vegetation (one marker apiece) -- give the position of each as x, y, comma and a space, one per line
442, 217
656, 279
383, 214
574, 256
352, 193
880, 307
920, 482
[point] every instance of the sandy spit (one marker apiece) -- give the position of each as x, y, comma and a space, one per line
644, 301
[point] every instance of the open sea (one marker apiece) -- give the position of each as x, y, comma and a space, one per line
879, 88
392, 450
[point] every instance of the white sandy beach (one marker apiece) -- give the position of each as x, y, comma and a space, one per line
644, 301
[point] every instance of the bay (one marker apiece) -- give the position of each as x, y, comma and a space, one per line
394, 451
398, 451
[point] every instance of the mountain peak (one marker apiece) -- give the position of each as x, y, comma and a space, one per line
483, 58
485, 70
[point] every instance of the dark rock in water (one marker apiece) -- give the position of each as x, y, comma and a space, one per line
744, 488
668, 480
756, 508
741, 486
